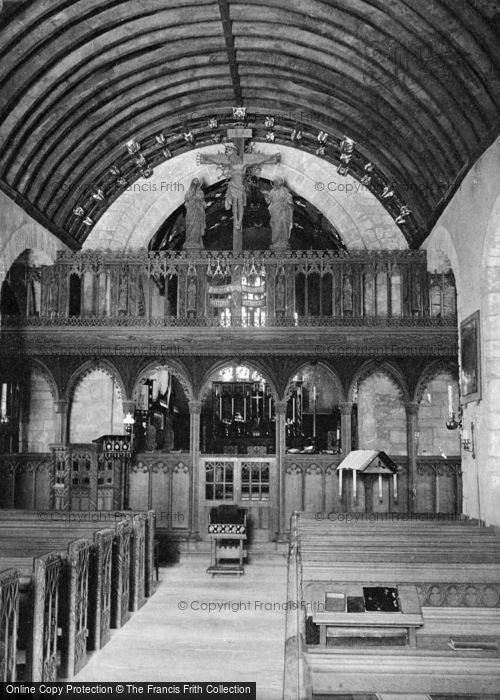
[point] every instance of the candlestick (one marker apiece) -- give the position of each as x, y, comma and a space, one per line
293, 409
220, 407
244, 406
232, 407
340, 482
450, 399
395, 485
338, 434
3, 408
354, 483
380, 486
314, 411
270, 407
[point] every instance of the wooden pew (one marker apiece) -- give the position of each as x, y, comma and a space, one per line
143, 528
447, 650
59, 578
422, 672
106, 553
120, 561
44, 606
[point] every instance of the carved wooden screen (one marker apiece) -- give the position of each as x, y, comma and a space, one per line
9, 615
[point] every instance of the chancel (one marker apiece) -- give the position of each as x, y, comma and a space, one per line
249, 325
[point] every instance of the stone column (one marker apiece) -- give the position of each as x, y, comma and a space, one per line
280, 409
62, 412
345, 427
194, 445
411, 446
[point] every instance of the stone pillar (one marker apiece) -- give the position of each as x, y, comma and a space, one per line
280, 409
411, 446
194, 445
62, 412
345, 427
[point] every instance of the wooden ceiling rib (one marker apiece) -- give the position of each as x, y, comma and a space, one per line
414, 82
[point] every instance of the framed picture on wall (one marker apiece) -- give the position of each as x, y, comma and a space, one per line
470, 359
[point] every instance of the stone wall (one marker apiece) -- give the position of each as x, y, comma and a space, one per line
136, 215
469, 232
434, 438
381, 415
19, 232
38, 430
96, 408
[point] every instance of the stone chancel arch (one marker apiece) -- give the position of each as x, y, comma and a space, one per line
132, 220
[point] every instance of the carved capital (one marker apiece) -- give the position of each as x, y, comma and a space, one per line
280, 407
194, 406
411, 409
345, 408
128, 407
61, 406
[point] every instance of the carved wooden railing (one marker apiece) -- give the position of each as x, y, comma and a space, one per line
248, 289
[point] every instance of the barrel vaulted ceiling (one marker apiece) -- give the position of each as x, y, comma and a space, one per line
413, 83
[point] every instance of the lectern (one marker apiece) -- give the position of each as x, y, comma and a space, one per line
227, 531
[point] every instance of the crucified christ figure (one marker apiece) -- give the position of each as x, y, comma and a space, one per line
236, 166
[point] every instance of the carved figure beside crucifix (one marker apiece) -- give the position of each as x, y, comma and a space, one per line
234, 165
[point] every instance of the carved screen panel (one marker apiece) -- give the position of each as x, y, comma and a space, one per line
121, 575
313, 497
106, 551
180, 515
293, 491
80, 555
9, 614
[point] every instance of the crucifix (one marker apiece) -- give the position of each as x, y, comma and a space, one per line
234, 164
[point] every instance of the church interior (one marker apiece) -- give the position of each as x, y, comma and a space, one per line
250, 321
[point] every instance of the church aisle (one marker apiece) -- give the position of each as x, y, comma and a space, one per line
232, 629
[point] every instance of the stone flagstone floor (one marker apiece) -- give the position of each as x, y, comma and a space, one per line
199, 628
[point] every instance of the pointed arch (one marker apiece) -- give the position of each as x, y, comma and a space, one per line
370, 367
35, 362
177, 369
252, 363
430, 371
331, 372
105, 366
